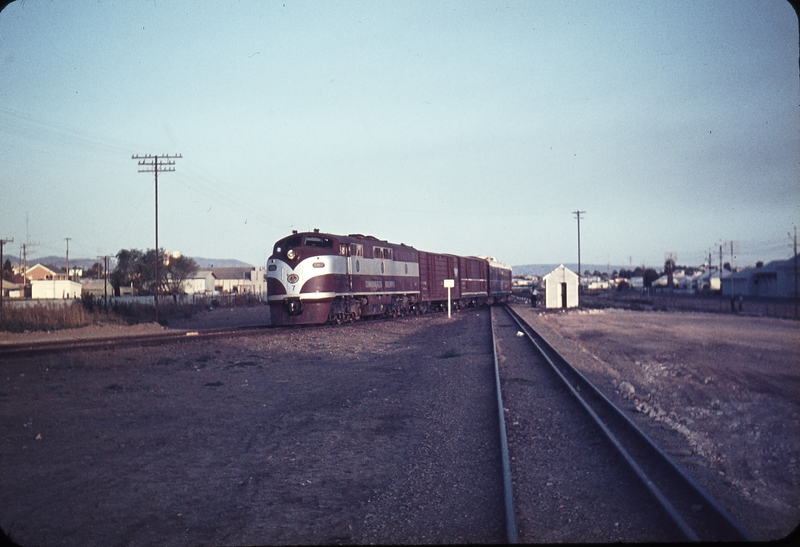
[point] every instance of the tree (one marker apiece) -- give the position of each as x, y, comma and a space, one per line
128, 270
138, 269
649, 276
8, 270
179, 270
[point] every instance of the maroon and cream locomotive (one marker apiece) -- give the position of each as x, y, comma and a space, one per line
314, 278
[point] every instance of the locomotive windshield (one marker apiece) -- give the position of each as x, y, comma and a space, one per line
288, 243
297, 241
317, 241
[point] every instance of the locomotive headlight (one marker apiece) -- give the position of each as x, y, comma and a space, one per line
290, 254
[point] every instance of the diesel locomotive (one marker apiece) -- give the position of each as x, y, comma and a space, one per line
315, 278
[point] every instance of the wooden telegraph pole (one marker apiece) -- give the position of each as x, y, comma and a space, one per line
578, 216
157, 164
2, 244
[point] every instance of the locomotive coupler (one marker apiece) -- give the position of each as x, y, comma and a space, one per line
293, 306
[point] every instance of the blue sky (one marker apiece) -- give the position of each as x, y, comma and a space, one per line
460, 127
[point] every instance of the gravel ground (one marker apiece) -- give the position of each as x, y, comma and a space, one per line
383, 431
213, 443
720, 393
570, 485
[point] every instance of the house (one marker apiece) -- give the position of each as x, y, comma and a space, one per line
55, 288
41, 272
97, 287
681, 281
201, 283
240, 280
11, 289
710, 281
561, 288
776, 279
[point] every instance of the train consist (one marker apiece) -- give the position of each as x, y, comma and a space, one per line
315, 278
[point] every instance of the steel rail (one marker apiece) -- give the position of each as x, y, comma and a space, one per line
692, 509
508, 492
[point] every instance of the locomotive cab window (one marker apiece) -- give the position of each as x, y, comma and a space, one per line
288, 243
356, 249
377, 252
387, 254
321, 242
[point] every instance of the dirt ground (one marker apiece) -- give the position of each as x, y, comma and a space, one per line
721, 393
212, 443
378, 432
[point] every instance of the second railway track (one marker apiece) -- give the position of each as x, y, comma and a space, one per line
581, 470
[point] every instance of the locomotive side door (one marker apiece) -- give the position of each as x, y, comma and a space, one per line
349, 261
355, 254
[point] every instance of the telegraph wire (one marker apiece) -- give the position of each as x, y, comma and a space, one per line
20, 124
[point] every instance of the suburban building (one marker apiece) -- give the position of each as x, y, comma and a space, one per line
41, 272
55, 288
202, 283
776, 279
239, 280
561, 288
97, 287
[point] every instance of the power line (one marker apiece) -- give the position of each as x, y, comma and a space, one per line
151, 164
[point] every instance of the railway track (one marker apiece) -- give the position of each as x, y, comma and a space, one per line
56, 346
580, 469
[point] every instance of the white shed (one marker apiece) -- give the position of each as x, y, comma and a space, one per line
561, 288
55, 288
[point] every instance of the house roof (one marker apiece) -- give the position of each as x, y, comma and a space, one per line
52, 269
231, 272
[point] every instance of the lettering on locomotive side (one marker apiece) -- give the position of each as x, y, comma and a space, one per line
376, 285
389, 284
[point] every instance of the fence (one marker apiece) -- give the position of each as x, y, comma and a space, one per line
768, 307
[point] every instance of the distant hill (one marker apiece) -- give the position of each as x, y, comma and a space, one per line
61, 261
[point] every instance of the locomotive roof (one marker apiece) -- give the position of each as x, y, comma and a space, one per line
492, 260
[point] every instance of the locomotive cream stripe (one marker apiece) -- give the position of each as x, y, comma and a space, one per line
317, 266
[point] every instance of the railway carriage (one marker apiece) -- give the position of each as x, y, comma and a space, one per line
315, 278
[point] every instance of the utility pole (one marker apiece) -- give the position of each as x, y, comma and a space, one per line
578, 216
105, 279
795, 270
67, 239
157, 164
2, 244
